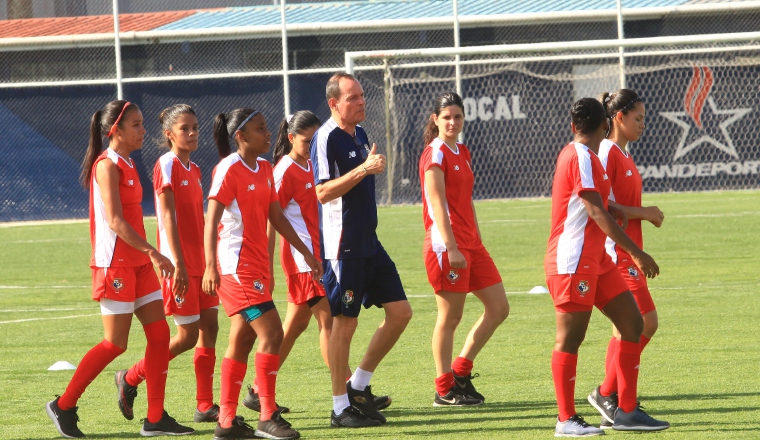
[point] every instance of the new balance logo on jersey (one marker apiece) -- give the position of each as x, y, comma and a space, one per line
628, 173
130, 182
183, 183
251, 187
351, 154
605, 176
308, 185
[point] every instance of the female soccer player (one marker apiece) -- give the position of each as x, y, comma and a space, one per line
581, 275
123, 279
243, 198
294, 182
179, 210
626, 112
456, 260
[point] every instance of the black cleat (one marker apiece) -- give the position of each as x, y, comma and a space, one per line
238, 430
65, 421
126, 394
606, 405
456, 397
252, 402
465, 383
351, 418
364, 401
210, 415
604, 424
382, 402
166, 426
277, 428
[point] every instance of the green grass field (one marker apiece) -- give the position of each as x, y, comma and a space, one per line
700, 371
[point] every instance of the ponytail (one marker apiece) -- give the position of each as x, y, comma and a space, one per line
441, 102
293, 124
105, 120
222, 136
431, 131
282, 146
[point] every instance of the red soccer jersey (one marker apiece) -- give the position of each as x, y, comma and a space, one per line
458, 180
626, 190
108, 250
246, 195
298, 200
576, 243
170, 173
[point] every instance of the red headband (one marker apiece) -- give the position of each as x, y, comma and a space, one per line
113, 127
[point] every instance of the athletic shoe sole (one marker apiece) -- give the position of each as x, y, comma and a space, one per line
262, 434
447, 405
160, 433
52, 416
639, 428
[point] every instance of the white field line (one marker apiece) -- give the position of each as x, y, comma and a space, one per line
43, 222
48, 319
44, 310
718, 215
44, 287
49, 240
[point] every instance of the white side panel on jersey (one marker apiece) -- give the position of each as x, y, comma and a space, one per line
165, 163
436, 240
570, 243
604, 151
323, 167
230, 238
293, 213
105, 238
332, 227
584, 165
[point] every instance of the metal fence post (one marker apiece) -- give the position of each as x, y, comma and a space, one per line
621, 36
285, 78
117, 48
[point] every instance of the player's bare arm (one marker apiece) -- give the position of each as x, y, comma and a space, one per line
595, 208
169, 219
210, 237
332, 189
107, 175
652, 214
436, 187
283, 226
271, 238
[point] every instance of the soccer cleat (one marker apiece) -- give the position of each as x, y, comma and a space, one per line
276, 428
465, 383
210, 415
352, 418
238, 430
575, 426
637, 420
127, 394
364, 401
382, 402
606, 405
166, 426
252, 402
456, 397
65, 421
604, 424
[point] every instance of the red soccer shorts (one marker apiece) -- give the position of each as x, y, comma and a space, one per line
481, 272
124, 284
581, 292
193, 302
238, 292
302, 288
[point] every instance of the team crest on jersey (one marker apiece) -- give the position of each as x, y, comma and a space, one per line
308, 185
348, 297
453, 276
258, 285
130, 182
251, 187
583, 287
184, 183
632, 271
605, 176
117, 284
456, 167
628, 173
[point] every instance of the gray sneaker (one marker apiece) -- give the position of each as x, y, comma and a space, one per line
575, 426
604, 424
637, 420
606, 405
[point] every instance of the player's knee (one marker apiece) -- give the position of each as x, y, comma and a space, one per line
449, 321
632, 329
651, 324
499, 313
401, 314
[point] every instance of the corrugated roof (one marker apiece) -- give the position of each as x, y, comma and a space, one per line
93, 24
390, 9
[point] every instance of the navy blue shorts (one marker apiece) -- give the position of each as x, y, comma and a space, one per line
371, 281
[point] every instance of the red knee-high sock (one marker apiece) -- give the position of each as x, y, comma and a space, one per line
233, 373
156, 367
204, 361
610, 384
136, 375
89, 368
444, 383
266, 375
629, 355
461, 366
563, 371
644, 341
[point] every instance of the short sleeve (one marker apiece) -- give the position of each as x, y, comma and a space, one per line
284, 189
433, 156
223, 188
162, 175
583, 170
322, 157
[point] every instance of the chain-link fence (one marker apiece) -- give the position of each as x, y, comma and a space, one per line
59, 65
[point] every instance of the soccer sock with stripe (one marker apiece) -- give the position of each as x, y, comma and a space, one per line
233, 373
266, 375
461, 366
204, 361
89, 368
610, 385
156, 366
444, 383
629, 356
563, 372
